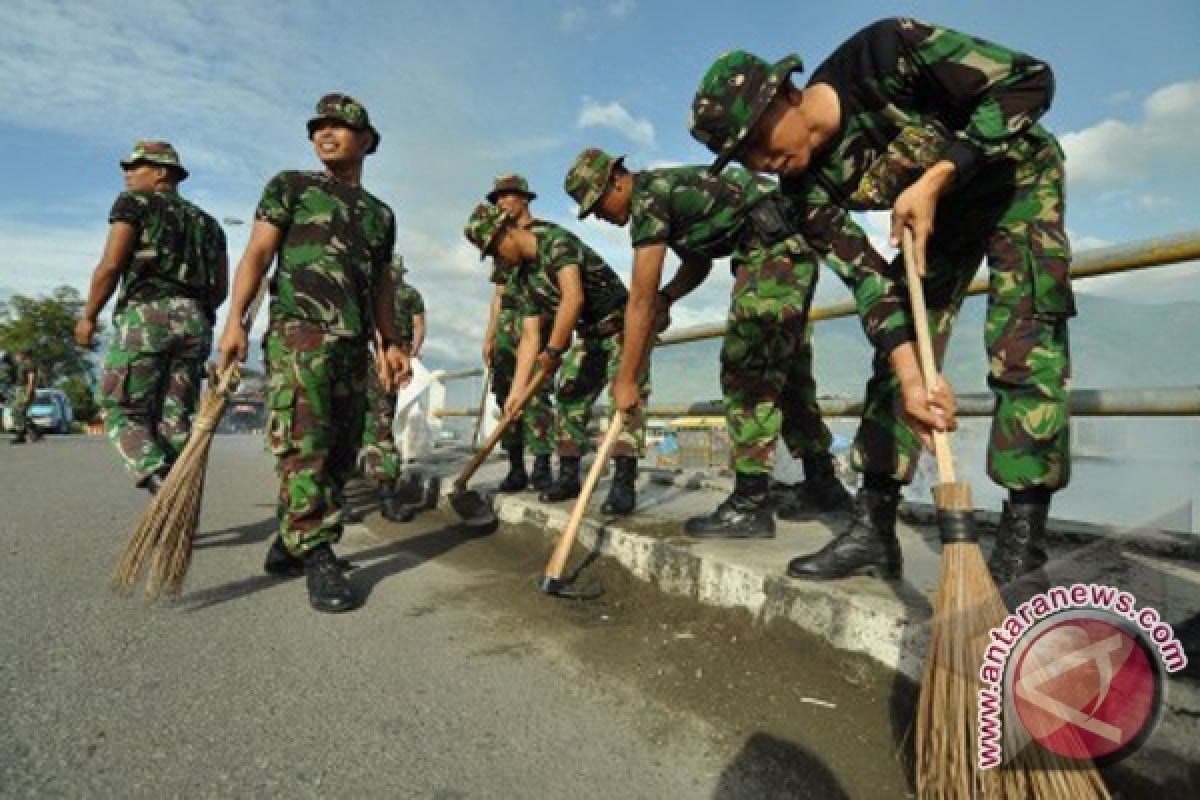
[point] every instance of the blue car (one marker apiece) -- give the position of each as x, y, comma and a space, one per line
50, 411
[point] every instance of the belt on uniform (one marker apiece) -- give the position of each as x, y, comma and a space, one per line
611, 325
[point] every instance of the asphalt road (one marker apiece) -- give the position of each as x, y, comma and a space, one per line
238, 689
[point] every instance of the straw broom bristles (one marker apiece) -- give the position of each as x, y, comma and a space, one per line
168, 525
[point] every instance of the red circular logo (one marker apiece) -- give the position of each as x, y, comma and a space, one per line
1086, 688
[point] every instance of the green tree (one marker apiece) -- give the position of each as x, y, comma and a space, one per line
46, 326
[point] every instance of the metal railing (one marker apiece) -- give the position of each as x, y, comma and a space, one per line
1152, 402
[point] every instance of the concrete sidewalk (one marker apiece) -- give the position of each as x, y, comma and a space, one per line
887, 621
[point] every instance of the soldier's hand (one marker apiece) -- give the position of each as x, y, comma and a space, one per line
625, 395
549, 364
915, 209
400, 364
511, 405
85, 331
233, 344
925, 413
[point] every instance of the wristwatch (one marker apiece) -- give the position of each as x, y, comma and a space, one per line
553, 352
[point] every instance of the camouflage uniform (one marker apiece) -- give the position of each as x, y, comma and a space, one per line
593, 360
336, 240
766, 357
22, 400
381, 459
163, 322
536, 431
912, 94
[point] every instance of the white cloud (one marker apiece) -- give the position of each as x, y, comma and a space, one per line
573, 19
620, 9
1114, 153
613, 115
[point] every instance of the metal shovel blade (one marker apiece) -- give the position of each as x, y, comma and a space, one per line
474, 510
557, 587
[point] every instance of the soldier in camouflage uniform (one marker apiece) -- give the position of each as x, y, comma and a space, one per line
24, 389
169, 257
331, 292
766, 360
511, 193
559, 276
930, 123
381, 458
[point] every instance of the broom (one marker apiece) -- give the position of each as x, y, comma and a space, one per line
968, 605
168, 525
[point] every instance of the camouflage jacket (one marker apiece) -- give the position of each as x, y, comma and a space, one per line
911, 94
408, 304
692, 210
336, 240
177, 252
536, 281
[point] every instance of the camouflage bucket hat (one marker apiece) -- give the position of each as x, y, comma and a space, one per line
345, 109
149, 151
398, 264
484, 225
733, 95
588, 178
509, 183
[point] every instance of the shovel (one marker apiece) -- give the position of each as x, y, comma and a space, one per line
469, 504
551, 581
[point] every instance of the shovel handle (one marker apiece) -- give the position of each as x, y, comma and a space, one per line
929, 370
535, 383
566, 540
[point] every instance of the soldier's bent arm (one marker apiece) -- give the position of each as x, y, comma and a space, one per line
692, 272
264, 242
639, 308
570, 306
118, 249
527, 350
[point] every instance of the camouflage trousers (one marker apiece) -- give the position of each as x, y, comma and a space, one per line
766, 358
537, 420
587, 368
381, 459
151, 380
1013, 214
317, 398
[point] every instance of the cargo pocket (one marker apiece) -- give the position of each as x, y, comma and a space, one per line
915, 149
279, 424
1050, 273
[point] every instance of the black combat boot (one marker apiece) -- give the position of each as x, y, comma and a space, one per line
282, 564
390, 505
19, 438
154, 481
745, 514
820, 493
868, 547
328, 589
622, 495
567, 485
1020, 542
542, 476
516, 479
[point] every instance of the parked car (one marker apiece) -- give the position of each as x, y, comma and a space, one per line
51, 411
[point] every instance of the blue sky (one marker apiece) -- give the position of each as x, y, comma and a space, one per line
463, 91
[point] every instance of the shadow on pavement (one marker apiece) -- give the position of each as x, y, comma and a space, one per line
769, 767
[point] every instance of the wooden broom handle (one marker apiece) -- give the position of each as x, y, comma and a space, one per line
566, 539
929, 370
534, 384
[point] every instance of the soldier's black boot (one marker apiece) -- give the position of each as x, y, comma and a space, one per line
390, 505
622, 495
868, 547
19, 438
154, 481
516, 479
328, 589
746, 514
567, 485
35, 433
282, 564
1020, 542
820, 493
542, 476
